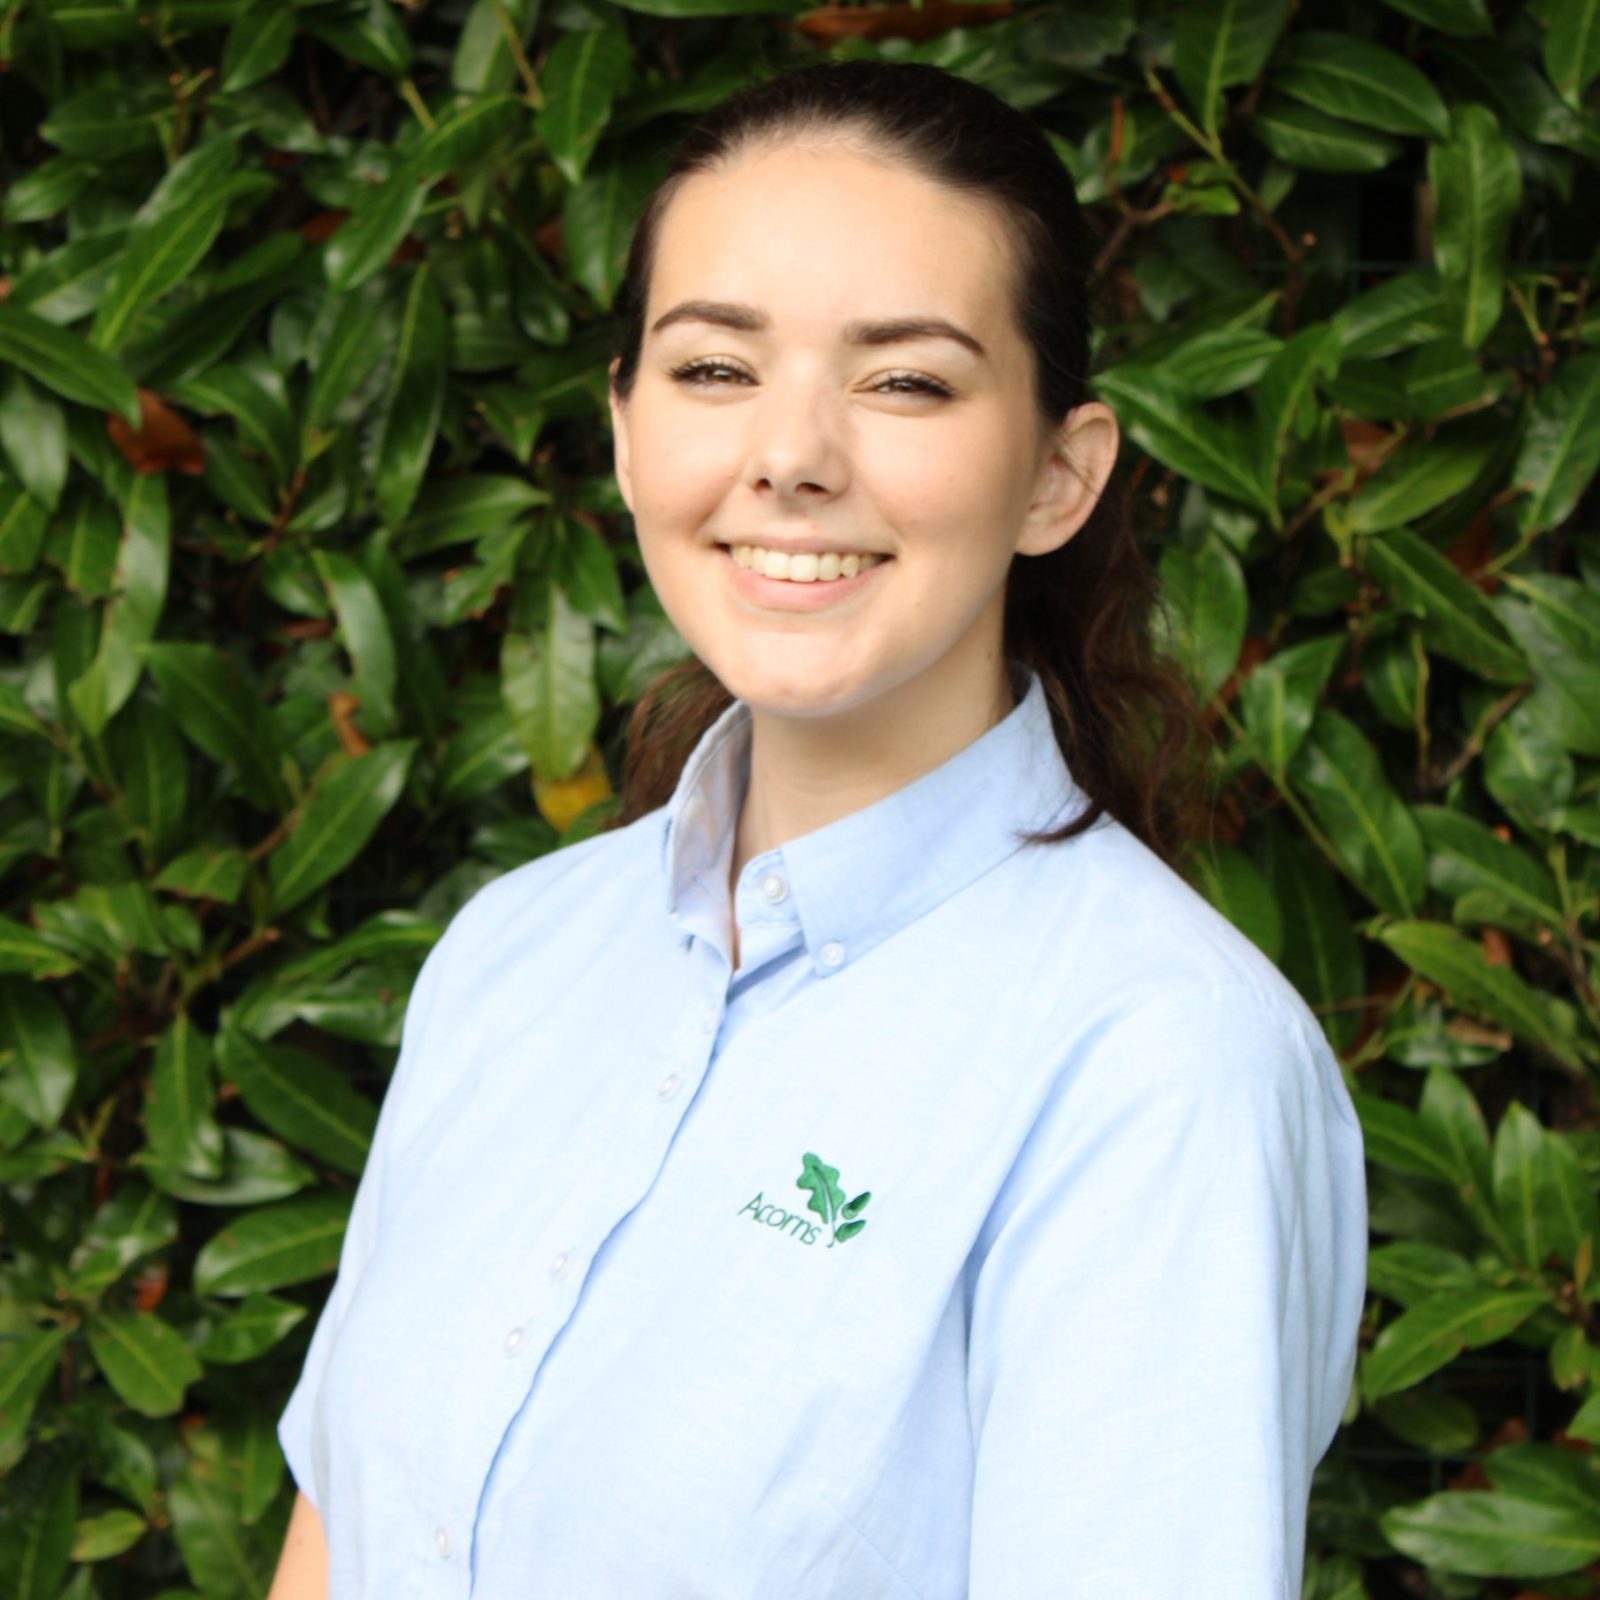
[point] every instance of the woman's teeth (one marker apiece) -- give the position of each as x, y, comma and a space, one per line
806, 567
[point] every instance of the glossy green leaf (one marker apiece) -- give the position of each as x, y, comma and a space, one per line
222, 713
134, 608
135, 1222
473, 128
1561, 449
301, 1099
1210, 448
1464, 855
374, 36
1203, 593
1220, 44
1352, 77
65, 363
374, 230
1478, 188
548, 682
1556, 620
109, 1534
27, 1363
255, 1169
110, 121
275, 1246
1279, 697
1305, 137
1541, 1191
41, 1517
38, 1060
345, 352
1421, 475
206, 873
1378, 844
341, 815
147, 1361
483, 63
23, 522
1424, 1338
1233, 883
255, 400
1572, 47
1396, 314
258, 1324
179, 1120
85, 542
413, 399
584, 72
33, 434
46, 190
1494, 1534
1466, 19
364, 630
224, 1552
258, 44
598, 217
159, 255
151, 772
1457, 965
1321, 955
456, 510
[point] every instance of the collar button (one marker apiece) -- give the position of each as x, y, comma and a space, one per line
774, 887
831, 954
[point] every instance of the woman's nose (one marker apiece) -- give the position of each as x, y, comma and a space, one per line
796, 444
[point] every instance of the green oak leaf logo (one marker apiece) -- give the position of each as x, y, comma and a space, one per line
828, 1201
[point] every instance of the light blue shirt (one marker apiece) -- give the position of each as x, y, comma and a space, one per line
997, 1230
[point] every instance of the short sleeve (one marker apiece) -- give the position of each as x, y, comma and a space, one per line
1164, 1324
296, 1432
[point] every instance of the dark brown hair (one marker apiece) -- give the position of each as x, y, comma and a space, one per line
1124, 716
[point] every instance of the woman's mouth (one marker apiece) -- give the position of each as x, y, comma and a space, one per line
801, 566
802, 582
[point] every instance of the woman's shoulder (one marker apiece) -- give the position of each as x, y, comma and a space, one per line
1160, 991
1138, 925
612, 862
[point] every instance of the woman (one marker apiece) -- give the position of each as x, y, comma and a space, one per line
869, 1169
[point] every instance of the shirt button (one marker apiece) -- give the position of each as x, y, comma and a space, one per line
559, 1265
708, 1019
669, 1086
831, 954
441, 1537
513, 1341
773, 887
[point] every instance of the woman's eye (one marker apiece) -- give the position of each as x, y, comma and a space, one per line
698, 373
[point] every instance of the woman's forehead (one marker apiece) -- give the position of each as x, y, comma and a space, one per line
802, 236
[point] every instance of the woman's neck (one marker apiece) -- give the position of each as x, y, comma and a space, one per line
806, 772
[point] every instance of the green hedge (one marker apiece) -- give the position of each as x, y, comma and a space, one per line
321, 609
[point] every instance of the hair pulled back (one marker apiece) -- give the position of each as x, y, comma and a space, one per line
1079, 616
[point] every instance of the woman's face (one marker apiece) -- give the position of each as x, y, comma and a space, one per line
790, 432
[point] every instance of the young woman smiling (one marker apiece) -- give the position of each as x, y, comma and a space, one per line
869, 1168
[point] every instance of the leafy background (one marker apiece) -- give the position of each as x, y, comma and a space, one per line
321, 609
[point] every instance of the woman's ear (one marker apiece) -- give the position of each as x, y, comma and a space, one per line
619, 434
1075, 469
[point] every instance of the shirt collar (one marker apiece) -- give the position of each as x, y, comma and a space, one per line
864, 876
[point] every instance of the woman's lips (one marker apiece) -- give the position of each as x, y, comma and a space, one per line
783, 594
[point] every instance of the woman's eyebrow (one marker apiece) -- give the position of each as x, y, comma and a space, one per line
747, 319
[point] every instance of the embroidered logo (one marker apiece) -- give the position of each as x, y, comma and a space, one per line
843, 1218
